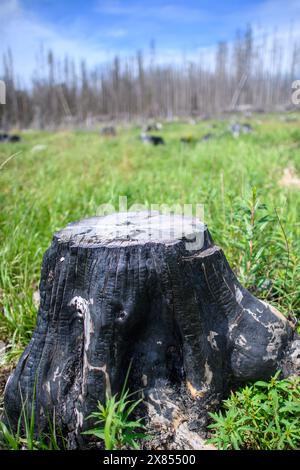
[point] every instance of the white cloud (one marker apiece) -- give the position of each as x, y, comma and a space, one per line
140, 10
24, 34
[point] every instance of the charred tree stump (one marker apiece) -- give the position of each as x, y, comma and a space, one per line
155, 291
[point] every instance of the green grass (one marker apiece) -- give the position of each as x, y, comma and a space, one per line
115, 425
262, 416
25, 437
249, 215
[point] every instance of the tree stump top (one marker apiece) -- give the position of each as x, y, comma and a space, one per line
135, 228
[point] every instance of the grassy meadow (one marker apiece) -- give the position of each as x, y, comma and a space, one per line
58, 177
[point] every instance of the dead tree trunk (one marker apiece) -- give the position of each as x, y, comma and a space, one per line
156, 291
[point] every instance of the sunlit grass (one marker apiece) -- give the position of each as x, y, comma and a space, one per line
41, 191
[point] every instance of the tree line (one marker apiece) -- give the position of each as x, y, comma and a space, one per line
249, 73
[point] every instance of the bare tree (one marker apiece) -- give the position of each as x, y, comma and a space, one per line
253, 71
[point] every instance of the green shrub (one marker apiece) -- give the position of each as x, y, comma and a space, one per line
262, 416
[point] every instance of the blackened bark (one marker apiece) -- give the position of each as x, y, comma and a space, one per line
154, 291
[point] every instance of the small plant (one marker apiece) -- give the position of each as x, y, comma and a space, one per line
116, 428
251, 231
265, 255
262, 416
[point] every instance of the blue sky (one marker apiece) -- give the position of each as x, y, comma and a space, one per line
98, 29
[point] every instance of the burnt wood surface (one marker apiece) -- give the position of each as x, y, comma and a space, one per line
156, 292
